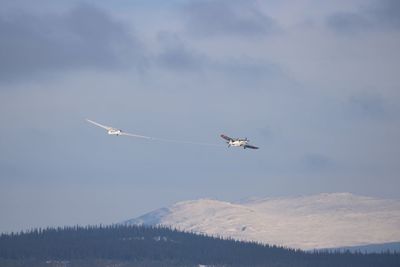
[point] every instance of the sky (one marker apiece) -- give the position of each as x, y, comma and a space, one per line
315, 84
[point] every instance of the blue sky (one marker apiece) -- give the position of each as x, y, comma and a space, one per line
314, 84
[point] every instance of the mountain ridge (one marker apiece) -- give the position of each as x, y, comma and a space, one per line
306, 222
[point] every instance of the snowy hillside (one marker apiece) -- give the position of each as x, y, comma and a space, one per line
319, 221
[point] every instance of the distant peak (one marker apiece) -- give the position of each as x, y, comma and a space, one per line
326, 219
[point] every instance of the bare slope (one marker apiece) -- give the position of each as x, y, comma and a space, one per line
308, 222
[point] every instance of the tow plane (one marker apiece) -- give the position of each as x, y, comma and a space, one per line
115, 131
238, 142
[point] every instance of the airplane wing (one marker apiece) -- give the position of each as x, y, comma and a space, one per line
249, 146
136, 135
100, 125
227, 138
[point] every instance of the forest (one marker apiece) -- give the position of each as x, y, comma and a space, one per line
129, 246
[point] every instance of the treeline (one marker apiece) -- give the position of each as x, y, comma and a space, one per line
121, 245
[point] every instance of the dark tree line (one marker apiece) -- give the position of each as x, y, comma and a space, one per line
157, 246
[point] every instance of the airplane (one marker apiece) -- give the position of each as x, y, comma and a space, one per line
238, 142
115, 131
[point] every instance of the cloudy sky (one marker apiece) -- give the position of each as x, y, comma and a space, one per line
314, 83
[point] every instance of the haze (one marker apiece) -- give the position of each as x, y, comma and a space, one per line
314, 84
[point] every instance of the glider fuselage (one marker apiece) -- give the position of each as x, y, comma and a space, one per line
113, 131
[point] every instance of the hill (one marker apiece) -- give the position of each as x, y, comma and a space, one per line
307, 222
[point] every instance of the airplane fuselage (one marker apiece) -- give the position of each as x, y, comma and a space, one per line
237, 143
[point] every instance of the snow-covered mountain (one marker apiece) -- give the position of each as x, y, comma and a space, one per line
307, 222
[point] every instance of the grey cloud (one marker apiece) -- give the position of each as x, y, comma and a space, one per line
241, 71
177, 56
386, 12
348, 22
253, 74
84, 37
265, 132
367, 105
231, 18
381, 14
318, 162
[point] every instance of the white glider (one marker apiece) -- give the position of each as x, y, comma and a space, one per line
115, 131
